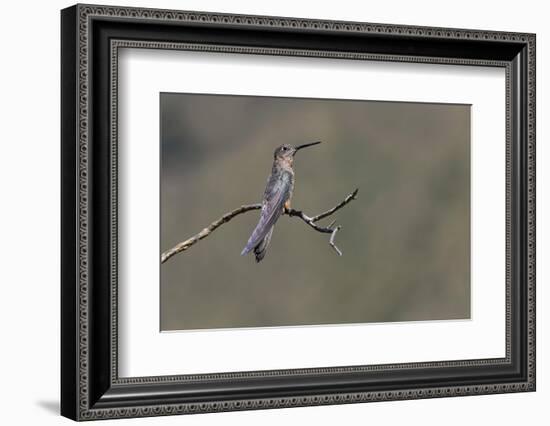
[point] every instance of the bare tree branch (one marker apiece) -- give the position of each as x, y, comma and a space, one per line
184, 245
311, 221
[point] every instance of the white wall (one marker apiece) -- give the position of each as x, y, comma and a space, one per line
29, 225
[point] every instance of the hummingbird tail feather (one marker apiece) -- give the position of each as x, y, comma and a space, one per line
261, 249
257, 237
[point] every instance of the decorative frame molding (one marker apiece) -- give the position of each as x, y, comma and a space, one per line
91, 388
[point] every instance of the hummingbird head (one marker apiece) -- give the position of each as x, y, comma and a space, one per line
286, 152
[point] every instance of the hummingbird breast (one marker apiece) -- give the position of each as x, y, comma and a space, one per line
285, 176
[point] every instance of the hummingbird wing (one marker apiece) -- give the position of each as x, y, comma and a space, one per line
276, 195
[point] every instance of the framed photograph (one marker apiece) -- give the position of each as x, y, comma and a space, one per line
263, 212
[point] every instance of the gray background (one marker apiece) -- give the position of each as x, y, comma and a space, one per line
406, 240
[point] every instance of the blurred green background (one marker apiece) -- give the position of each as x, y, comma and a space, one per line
406, 239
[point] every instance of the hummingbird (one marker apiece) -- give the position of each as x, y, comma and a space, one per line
277, 196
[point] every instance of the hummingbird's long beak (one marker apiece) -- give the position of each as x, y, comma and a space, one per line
299, 147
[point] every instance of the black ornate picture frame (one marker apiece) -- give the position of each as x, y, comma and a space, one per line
90, 385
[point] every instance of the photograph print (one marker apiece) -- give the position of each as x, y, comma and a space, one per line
281, 212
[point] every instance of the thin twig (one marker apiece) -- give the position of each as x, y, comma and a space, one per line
330, 229
346, 200
311, 221
331, 241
